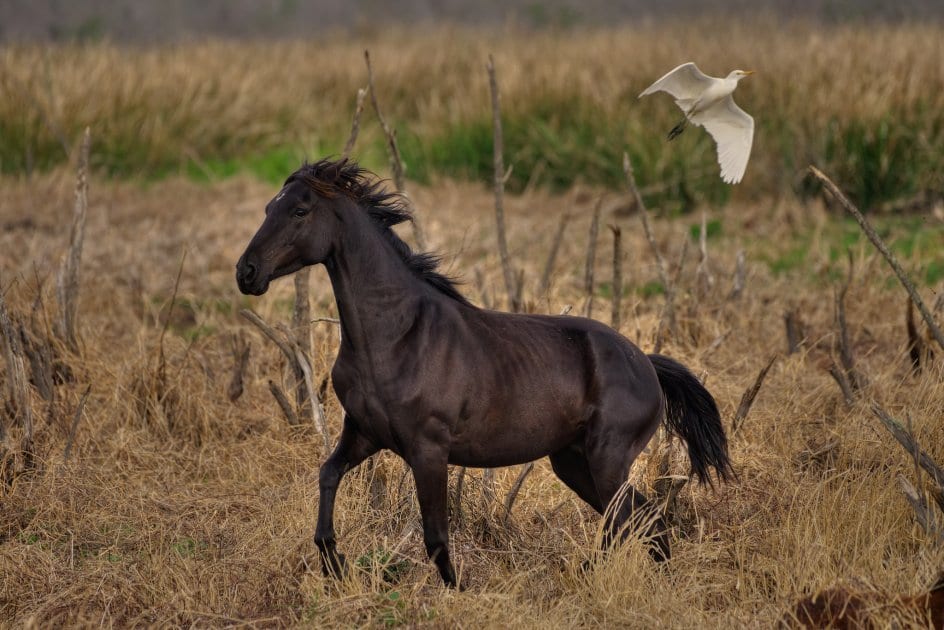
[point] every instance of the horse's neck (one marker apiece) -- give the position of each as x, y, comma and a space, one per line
376, 293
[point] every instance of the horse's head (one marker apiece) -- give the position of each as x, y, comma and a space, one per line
299, 229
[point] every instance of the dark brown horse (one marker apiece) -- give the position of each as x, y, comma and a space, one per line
438, 381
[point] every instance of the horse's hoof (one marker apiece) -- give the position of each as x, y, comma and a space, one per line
333, 566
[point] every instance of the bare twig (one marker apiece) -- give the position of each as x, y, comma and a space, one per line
488, 485
666, 489
617, 276
794, 328
591, 258
396, 161
301, 331
846, 355
910, 445
883, 248
300, 363
75, 423
161, 361
39, 354
515, 489
747, 400
740, 277
17, 382
669, 313
703, 276
843, 381
355, 122
552, 255
284, 404
68, 280
457, 497
269, 332
499, 185
329, 320
922, 512
918, 350
241, 350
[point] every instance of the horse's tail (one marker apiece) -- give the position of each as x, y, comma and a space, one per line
691, 414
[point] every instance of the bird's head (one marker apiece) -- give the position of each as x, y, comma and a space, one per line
737, 75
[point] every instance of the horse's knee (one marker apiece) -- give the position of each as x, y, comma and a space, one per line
330, 475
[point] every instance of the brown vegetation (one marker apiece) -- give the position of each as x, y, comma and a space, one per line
178, 505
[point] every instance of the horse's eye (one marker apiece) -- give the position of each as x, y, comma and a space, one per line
300, 212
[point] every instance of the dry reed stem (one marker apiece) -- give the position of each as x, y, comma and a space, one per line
918, 350
908, 442
617, 277
241, 350
552, 255
926, 518
498, 182
287, 410
846, 355
17, 382
74, 427
650, 238
747, 400
794, 330
393, 148
355, 122
703, 275
515, 489
740, 277
301, 335
69, 274
886, 253
302, 367
848, 395
591, 258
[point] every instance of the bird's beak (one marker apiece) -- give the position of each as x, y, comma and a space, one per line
746, 72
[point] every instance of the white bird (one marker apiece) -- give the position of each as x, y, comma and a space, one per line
708, 102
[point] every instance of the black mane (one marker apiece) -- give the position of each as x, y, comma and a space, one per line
329, 178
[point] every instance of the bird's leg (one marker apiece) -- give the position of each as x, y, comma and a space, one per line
678, 129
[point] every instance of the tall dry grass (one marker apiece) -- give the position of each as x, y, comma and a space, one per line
863, 101
183, 508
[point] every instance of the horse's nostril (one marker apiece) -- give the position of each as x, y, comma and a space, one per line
249, 273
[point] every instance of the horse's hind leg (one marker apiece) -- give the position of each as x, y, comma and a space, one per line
352, 449
570, 465
611, 450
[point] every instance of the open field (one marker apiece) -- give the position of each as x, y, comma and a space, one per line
168, 503
180, 507
865, 102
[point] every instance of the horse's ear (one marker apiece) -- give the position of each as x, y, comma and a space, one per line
333, 172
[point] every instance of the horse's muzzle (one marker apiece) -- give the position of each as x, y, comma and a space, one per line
249, 278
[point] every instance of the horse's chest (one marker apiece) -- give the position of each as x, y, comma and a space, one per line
363, 406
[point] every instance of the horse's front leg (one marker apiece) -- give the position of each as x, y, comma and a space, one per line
430, 472
352, 449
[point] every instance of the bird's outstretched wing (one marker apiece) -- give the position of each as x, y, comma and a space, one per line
733, 131
685, 82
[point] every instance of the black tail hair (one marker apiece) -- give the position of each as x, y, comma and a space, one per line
691, 414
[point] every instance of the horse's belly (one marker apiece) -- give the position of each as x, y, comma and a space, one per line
514, 440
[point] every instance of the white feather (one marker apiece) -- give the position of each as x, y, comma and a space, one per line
707, 102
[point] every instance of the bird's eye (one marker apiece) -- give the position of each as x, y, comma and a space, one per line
300, 212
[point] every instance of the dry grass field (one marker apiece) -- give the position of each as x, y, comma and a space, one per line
178, 507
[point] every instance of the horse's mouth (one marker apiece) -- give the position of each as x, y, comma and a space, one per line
257, 287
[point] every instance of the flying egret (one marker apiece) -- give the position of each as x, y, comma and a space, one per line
707, 102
